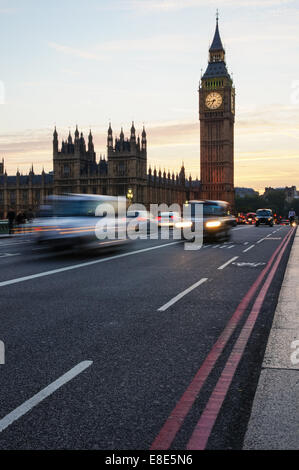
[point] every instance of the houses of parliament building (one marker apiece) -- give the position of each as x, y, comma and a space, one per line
125, 170
77, 170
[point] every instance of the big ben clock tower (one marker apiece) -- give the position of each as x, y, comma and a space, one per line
217, 118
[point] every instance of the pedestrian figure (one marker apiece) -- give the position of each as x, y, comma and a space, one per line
11, 218
30, 216
20, 220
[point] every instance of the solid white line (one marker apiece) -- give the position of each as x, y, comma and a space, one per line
40, 396
181, 295
83, 265
247, 249
228, 262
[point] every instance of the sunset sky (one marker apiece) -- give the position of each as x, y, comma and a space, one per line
67, 62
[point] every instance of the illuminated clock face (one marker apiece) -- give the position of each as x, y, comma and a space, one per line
213, 100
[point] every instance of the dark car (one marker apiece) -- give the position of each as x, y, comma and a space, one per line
265, 217
217, 219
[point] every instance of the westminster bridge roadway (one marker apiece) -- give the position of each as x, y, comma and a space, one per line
143, 347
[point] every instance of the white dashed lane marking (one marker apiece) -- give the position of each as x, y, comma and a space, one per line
228, 263
247, 249
181, 295
45, 393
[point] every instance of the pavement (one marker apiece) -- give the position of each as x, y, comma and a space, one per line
133, 348
274, 421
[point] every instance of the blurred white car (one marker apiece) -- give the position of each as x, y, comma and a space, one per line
72, 220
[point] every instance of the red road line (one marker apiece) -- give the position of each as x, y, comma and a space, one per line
175, 420
204, 427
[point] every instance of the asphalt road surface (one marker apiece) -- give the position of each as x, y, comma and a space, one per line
149, 346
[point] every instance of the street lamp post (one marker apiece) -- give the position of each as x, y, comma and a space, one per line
130, 195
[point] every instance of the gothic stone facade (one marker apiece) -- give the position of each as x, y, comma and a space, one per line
76, 170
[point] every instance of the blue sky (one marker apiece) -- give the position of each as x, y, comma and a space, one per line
69, 62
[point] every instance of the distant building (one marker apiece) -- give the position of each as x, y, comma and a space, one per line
244, 192
76, 170
290, 192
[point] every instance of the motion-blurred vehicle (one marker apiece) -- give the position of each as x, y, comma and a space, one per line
145, 221
241, 219
217, 220
284, 222
250, 218
71, 221
264, 217
168, 219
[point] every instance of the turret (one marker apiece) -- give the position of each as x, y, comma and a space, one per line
82, 143
2, 167
91, 147
182, 176
110, 137
77, 140
55, 142
143, 141
133, 133
76, 134
31, 173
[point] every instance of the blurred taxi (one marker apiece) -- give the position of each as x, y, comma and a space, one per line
264, 217
216, 220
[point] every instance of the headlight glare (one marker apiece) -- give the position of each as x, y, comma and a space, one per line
213, 224
183, 225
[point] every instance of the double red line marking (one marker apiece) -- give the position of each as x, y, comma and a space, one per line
208, 418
